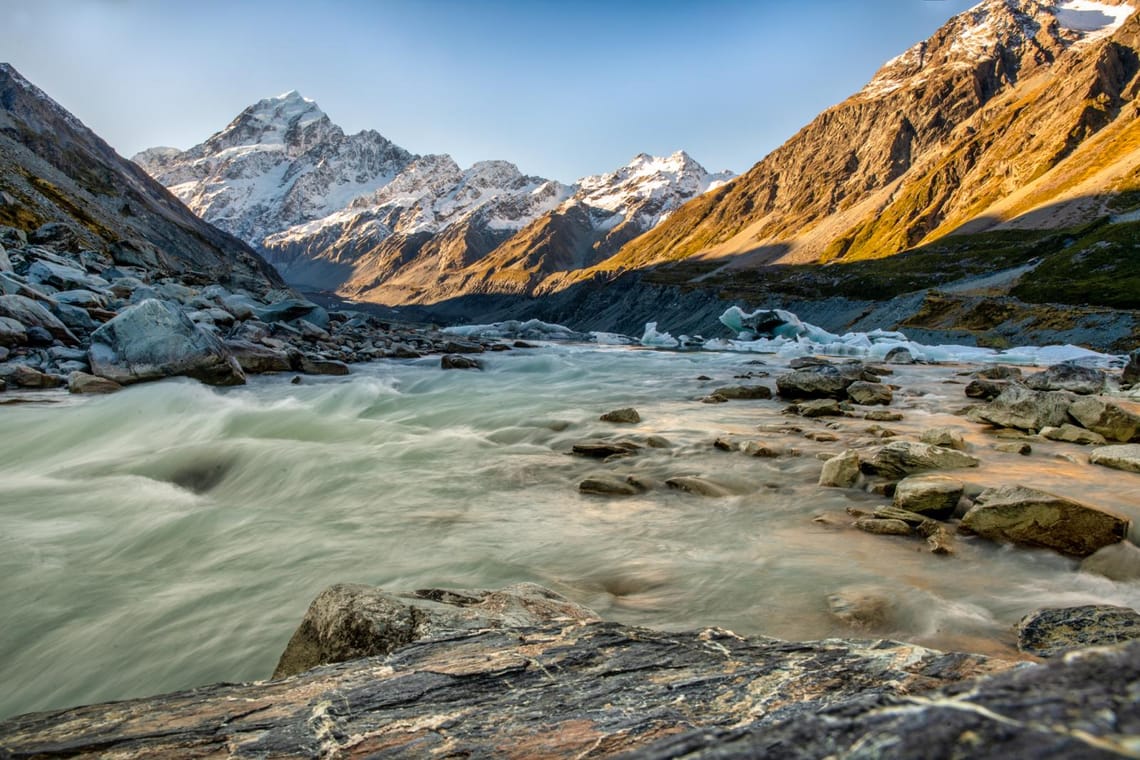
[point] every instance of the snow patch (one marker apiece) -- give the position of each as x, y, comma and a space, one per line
1094, 20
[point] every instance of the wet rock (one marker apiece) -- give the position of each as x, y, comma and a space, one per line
725, 444
939, 539
930, 495
1122, 457
862, 608
627, 416
452, 361
1131, 373
315, 365
255, 358
749, 392
1014, 447
461, 347
899, 355
31, 314
998, 372
890, 512
714, 398
1118, 562
1050, 632
821, 407
598, 449
757, 449
698, 487
1025, 409
1028, 517
81, 382
154, 339
881, 415
946, 437
607, 485
1068, 377
986, 390
12, 333
1072, 434
350, 621
23, 376
870, 394
820, 381
883, 527
1109, 420
841, 471
901, 458
601, 689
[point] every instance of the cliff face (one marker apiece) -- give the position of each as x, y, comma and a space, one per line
54, 169
1009, 114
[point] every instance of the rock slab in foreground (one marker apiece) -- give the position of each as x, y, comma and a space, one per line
1048, 633
154, 339
1029, 517
563, 691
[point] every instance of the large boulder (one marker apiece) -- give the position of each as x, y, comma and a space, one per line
31, 314
1109, 420
1123, 457
1050, 632
1020, 407
901, 458
816, 381
350, 621
1068, 377
1028, 517
154, 339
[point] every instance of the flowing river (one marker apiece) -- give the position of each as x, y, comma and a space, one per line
173, 535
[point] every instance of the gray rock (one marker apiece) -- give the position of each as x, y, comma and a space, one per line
1072, 434
12, 333
883, 527
998, 372
1109, 420
1118, 562
901, 458
882, 415
5, 262
154, 339
462, 347
1050, 632
899, 355
890, 512
870, 394
608, 485
241, 306
819, 407
1068, 377
255, 358
749, 392
841, 471
627, 416
819, 381
1131, 373
1121, 457
31, 314
315, 365
984, 389
698, 487
81, 382
64, 277
946, 437
293, 308
4, 354
454, 361
38, 337
597, 449
350, 621
930, 495
76, 318
23, 376
1028, 517
1025, 409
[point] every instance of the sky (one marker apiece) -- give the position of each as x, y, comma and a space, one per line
562, 89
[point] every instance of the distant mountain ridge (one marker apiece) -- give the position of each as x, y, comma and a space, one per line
359, 215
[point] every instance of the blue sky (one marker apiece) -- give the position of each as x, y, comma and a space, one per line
563, 89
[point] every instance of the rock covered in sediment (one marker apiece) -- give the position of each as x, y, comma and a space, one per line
870, 394
1118, 562
1019, 407
1054, 631
350, 621
559, 691
931, 495
1029, 517
626, 416
1068, 376
1108, 419
901, 458
154, 339
1122, 457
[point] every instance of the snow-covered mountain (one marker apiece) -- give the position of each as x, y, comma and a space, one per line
359, 214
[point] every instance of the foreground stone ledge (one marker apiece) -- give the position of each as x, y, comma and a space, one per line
565, 691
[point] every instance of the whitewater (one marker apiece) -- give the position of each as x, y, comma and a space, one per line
172, 535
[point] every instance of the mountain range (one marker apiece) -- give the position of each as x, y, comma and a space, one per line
364, 217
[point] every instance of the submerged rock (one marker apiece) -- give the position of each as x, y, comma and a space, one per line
154, 339
608, 485
1026, 516
1050, 632
627, 416
350, 621
598, 449
883, 526
946, 437
698, 486
454, 361
1118, 562
1123, 457
258, 359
